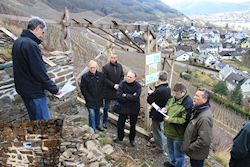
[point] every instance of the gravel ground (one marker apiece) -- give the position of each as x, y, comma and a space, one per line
141, 152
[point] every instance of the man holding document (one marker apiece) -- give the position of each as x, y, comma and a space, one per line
178, 110
30, 73
158, 99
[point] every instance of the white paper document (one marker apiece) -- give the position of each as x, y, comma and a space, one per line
66, 89
157, 108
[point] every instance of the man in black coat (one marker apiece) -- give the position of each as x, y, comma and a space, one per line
113, 73
92, 84
129, 92
240, 153
160, 96
30, 74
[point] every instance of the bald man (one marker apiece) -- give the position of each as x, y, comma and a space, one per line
113, 73
129, 92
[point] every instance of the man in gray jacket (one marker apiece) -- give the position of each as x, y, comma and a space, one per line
198, 134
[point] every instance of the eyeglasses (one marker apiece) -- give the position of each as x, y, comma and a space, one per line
43, 29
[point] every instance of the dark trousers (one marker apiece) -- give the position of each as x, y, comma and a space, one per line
121, 124
196, 163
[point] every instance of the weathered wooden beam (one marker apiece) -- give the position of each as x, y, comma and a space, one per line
7, 32
49, 62
125, 43
122, 47
124, 27
152, 46
125, 34
115, 118
138, 129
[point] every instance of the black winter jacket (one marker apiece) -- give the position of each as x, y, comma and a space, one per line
130, 103
30, 74
92, 89
160, 96
113, 75
240, 153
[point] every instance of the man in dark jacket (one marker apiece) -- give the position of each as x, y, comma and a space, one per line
30, 74
129, 92
113, 73
198, 134
240, 153
160, 96
92, 84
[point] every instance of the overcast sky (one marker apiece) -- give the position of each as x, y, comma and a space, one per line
172, 3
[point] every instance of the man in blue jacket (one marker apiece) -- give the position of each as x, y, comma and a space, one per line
30, 74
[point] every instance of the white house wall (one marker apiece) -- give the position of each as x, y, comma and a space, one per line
245, 87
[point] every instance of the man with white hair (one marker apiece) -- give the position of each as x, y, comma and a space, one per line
92, 84
30, 74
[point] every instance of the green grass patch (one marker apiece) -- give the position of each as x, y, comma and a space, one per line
201, 79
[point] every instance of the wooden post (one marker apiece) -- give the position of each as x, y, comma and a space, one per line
150, 47
172, 66
146, 87
66, 31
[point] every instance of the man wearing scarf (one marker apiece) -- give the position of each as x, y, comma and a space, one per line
198, 134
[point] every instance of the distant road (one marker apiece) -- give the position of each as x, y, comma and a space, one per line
195, 68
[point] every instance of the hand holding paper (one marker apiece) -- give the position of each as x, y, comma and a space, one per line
157, 108
150, 91
65, 89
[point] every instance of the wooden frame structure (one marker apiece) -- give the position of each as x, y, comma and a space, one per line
149, 38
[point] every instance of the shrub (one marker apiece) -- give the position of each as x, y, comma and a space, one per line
221, 88
185, 75
236, 95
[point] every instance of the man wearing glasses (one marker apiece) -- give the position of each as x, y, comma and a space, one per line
30, 74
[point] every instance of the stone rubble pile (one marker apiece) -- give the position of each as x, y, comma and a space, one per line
81, 147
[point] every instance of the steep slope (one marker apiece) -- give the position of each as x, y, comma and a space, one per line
129, 10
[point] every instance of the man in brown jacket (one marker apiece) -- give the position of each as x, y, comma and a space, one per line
198, 134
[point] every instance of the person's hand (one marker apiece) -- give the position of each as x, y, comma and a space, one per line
116, 86
150, 91
164, 110
59, 92
166, 118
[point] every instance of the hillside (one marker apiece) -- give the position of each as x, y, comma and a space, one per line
129, 10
